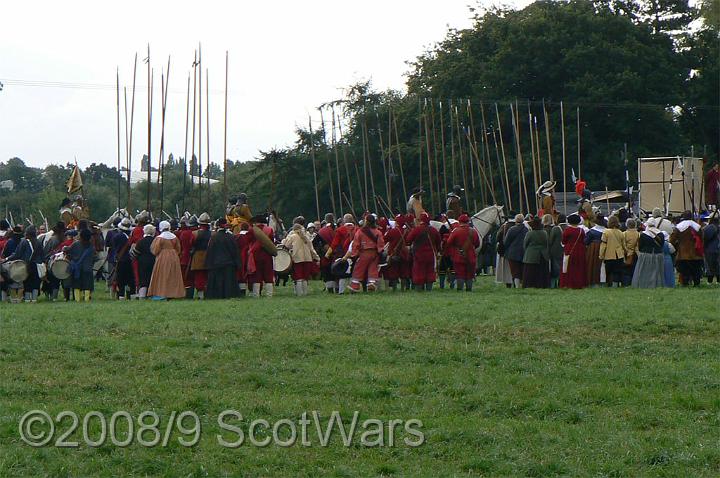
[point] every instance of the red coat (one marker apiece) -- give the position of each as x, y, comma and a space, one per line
573, 239
363, 242
462, 244
424, 249
343, 236
185, 235
243, 242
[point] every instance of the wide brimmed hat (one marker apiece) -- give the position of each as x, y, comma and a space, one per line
547, 186
193, 221
204, 219
574, 219
125, 225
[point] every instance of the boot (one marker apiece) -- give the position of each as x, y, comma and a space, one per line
452, 280
305, 287
342, 284
78, 296
429, 286
142, 293
201, 295
3, 296
468, 285
86, 293
442, 281
54, 295
460, 284
269, 289
516, 283
298, 288
34, 295
256, 290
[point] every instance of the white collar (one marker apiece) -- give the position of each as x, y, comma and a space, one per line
683, 225
598, 228
167, 235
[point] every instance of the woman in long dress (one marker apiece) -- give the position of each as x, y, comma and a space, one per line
650, 268
145, 259
167, 280
536, 267
573, 274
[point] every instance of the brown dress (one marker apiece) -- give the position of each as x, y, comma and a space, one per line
166, 278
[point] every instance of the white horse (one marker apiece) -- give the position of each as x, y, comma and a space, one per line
485, 219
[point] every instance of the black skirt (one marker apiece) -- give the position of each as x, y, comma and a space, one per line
536, 275
86, 281
222, 283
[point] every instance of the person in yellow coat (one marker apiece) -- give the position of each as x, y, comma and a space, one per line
238, 213
612, 250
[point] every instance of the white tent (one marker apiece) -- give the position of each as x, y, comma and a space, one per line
138, 176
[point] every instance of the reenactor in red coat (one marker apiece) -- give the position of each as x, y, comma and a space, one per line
461, 245
425, 243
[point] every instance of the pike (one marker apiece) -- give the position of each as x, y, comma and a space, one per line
532, 156
207, 129
366, 147
462, 159
564, 165
337, 158
327, 159
442, 146
225, 194
149, 116
452, 144
312, 159
346, 162
435, 153
578, 142
399, 154
391, 170
117, 109
185, 159
479, 159
199, 157
193, 159
482, 171
382, 155
502, 147
547, 140
487, 151
164, 86
129, 152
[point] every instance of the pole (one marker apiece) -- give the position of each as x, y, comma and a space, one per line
435, 154
225, 190
329, 168
127, 159
532, 157
578, 142
452, 144
382, 154
193, 159
462, 159
199, 161
132, 118
312, 158
428, 153
442, 146
486, 143
346, 162
399, 154
117, 109
564, 166
337, 159
207, 132
187, 119
149, 116
546, 117
366, 145
502, 147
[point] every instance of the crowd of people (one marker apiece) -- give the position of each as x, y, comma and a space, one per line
238, 254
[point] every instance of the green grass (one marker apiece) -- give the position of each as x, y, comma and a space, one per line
507, 383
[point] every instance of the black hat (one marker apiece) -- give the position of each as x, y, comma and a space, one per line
65, 202
574, 219
260, 219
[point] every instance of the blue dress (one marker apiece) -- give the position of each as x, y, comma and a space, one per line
669, 268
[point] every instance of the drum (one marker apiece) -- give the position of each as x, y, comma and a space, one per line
282, 262
16, 271
59, 266
342, 268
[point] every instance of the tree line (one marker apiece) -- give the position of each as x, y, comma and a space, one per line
494, 108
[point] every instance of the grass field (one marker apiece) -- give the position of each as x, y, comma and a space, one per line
506, 383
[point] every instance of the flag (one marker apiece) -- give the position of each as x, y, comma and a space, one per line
75, 181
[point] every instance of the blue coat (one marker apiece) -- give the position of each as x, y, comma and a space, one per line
514, 247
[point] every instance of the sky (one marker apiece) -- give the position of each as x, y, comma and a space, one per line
58, 63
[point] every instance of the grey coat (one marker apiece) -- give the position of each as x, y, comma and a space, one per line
514, 249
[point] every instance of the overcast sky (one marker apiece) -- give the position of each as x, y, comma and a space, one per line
286, 57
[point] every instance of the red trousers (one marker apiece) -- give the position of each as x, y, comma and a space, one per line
264, 271
302, 270
464, 270
366, 267
423, 270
